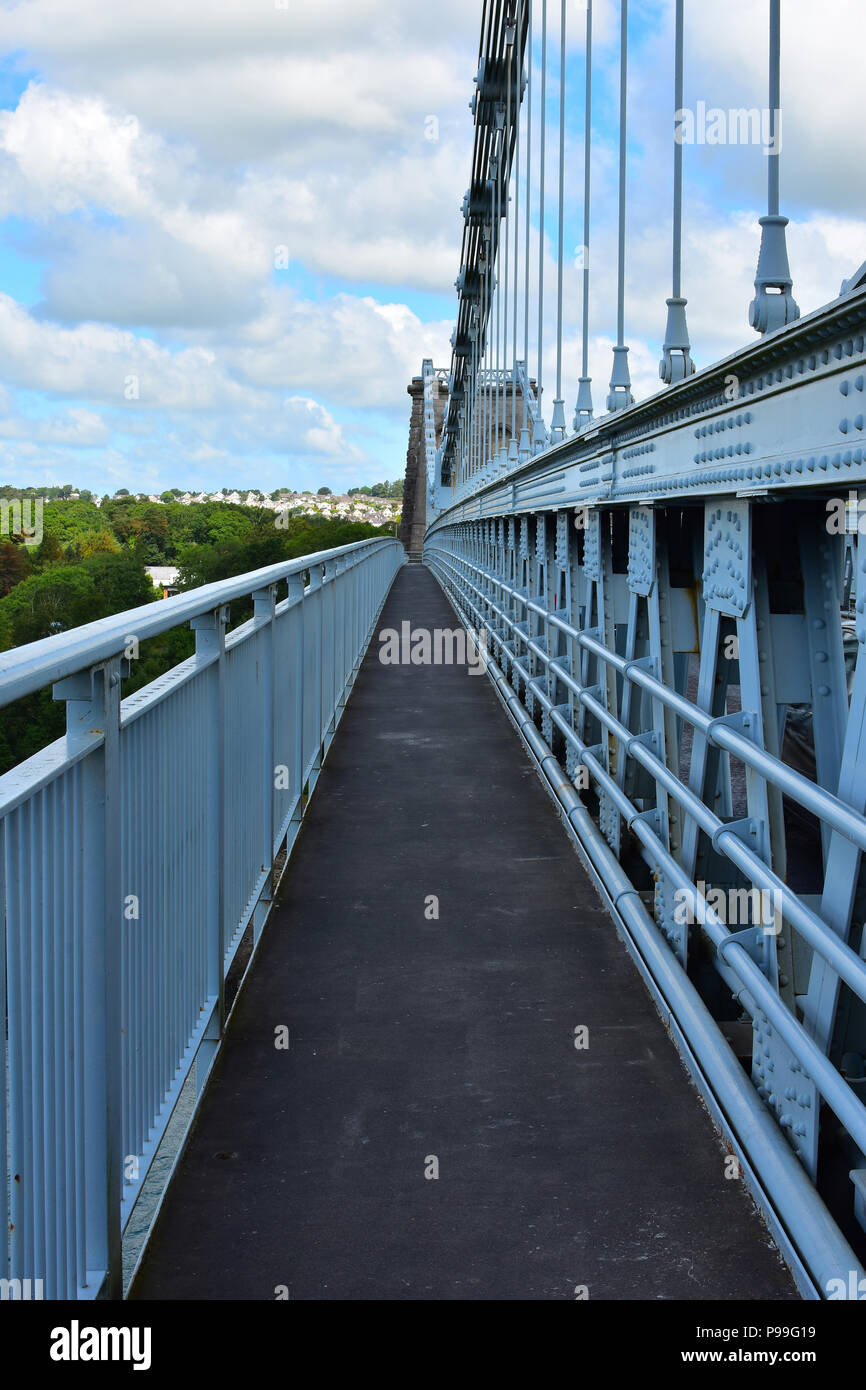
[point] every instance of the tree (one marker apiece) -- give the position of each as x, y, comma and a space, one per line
92, 542
48, 552
90, 563
324, 492
14, 565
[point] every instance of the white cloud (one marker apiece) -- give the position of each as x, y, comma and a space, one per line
165, 151
354, 351
112, 366
78, 426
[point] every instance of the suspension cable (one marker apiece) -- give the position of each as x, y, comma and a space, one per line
676, 363
524, 434
540, 435
620, 383
558, 421
509, 69
512, 447
583, 409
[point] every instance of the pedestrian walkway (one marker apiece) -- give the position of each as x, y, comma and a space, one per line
432, 1131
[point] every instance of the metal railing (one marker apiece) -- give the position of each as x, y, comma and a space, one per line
621, 750
135, 854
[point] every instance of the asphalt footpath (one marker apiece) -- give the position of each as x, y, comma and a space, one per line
432, 1131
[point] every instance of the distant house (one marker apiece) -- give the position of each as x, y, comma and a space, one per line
163, 577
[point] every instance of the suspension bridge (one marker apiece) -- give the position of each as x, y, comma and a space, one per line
536, 976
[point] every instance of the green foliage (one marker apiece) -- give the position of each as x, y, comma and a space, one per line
64, 596
67, 520
28, 724
11, 490
90, 564
15, 565
60, 597
389, 490
295, 536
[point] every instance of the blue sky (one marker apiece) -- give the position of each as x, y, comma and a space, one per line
160, 163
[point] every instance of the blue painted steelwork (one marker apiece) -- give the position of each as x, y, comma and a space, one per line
673, 611
602, 706
135, 853
429, 375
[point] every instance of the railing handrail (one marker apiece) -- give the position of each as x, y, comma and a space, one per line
34, 665
138, 853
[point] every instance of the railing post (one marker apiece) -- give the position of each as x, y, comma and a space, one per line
313, 696
210, 650
264, 605
328, 635
340, 671
296, 599
93, 721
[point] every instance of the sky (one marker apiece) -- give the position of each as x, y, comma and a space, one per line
230, 229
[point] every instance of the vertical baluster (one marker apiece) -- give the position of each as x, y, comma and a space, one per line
93, 722
210, 651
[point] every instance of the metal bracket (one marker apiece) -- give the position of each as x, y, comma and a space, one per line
750, 830
652, 817
640, 663
858, 1177
651, 738
745, 722
77, 687
753, 941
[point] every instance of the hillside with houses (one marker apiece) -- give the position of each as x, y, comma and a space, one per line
357, 505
